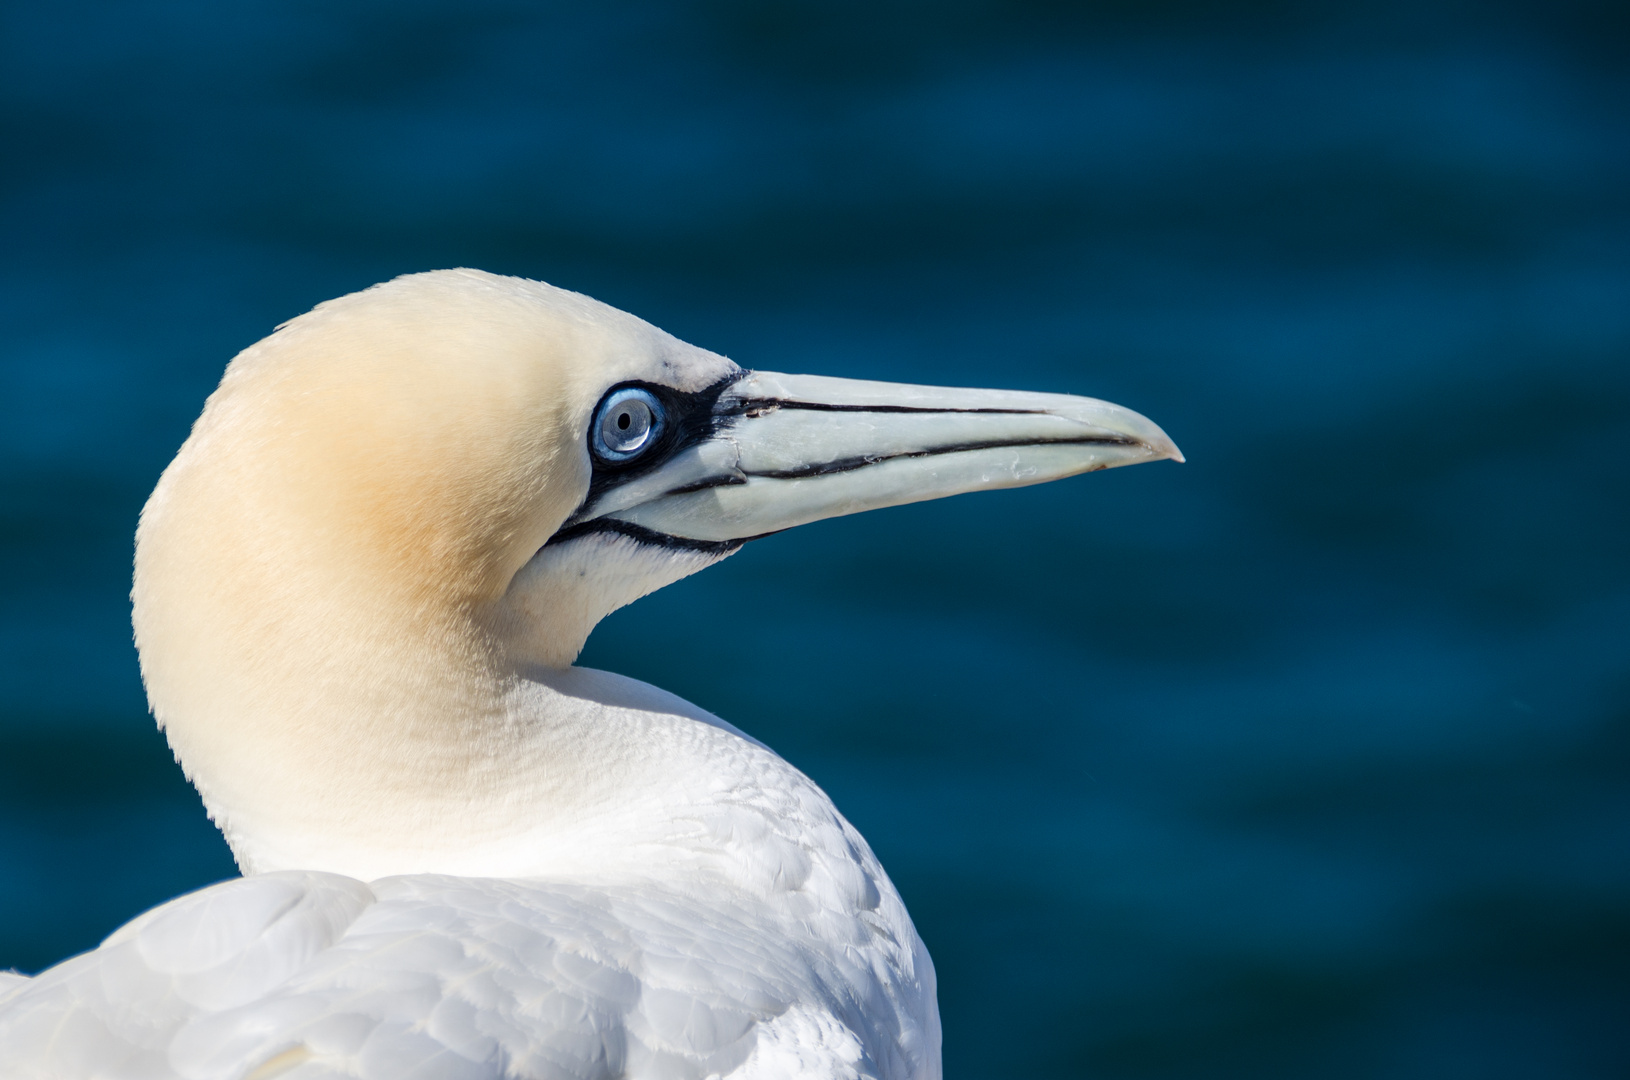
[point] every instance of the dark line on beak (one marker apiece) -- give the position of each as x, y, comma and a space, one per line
751, 405
827, 468
641, 534
727, 480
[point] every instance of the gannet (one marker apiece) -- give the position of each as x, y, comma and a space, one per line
359, 591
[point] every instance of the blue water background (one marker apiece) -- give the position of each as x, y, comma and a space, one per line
1309, 758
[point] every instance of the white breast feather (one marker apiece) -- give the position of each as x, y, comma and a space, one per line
299, 975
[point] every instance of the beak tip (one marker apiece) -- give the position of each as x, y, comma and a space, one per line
1161, 447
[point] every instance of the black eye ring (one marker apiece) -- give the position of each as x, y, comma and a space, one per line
627, 424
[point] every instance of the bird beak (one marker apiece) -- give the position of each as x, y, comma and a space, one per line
785, 450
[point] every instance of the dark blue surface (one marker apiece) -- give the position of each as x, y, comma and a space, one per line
1308, 758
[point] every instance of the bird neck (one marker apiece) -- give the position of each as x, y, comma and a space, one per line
337, 719
444, 761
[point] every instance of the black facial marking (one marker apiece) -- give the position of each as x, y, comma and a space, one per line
648, 536
688, 419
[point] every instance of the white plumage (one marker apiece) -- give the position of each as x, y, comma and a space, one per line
359, 589
437, 976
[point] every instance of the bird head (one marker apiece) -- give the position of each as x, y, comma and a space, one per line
404, 497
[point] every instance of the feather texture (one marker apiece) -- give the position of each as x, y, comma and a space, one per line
299, 975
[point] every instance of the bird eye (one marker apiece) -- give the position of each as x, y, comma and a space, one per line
628, 422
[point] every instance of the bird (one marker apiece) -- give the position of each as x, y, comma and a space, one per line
359, 591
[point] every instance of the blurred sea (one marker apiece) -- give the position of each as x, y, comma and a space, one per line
1309, 758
